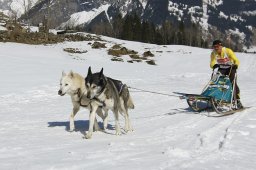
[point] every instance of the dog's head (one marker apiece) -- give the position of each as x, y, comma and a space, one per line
95, 83
66, 83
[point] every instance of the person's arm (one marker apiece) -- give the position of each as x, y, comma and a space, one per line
213, 60
233, 57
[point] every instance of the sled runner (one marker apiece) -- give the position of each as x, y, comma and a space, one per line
218, 95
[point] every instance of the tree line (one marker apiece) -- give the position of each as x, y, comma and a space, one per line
133, 28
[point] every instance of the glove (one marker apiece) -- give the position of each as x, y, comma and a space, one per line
216, 66
234, 66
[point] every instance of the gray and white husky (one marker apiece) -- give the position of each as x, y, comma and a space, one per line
110, 94
73, 84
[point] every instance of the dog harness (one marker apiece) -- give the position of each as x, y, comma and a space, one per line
118, 85
78, 93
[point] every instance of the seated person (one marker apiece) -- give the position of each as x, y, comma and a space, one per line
223, 55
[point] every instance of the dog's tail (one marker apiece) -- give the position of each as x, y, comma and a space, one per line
128, 99
130, 103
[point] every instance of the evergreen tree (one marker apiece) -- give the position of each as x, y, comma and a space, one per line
132, 28
127, 33
166, 32
181, 34
145, 37
136, 28
148, 32
152, 33
117, 25
159, 38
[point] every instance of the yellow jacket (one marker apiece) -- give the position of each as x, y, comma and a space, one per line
225, 52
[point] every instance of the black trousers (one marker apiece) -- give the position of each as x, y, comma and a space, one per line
231, 72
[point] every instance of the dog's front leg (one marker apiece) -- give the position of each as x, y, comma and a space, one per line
103, 116
72, 121
91, 120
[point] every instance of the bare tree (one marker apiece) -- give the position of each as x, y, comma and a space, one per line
27, 5
13, 15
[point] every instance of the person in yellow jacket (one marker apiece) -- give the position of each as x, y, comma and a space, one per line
222, 56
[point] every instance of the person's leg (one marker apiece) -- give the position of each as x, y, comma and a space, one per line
232, 77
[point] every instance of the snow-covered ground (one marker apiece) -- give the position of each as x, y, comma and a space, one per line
252, 49
35, 120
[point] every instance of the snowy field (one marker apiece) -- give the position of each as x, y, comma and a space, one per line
35, 120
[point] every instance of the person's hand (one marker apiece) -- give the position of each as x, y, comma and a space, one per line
234, 66
216, 66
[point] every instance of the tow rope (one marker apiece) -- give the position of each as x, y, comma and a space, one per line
153, 92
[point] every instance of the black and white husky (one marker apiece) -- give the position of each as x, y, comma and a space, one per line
73, 84
110, 94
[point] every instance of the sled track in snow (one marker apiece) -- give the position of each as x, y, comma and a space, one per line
207, 143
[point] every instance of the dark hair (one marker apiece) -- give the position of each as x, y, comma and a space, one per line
216, 42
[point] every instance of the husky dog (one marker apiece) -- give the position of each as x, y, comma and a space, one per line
110, 94
73, 84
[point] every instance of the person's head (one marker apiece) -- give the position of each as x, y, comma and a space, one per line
217, 45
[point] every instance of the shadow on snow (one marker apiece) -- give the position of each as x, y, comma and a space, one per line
80, 125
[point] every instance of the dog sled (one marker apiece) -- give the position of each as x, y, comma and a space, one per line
219, 95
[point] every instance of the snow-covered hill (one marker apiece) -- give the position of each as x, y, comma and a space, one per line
235, 17
234, 20
16, 7
34, 119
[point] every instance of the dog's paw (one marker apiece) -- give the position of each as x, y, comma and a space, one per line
126, 130
88, 135
131, 129
118, 133
71, 129
98, 130
105, 124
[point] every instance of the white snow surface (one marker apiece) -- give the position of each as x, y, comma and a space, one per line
19, 6
2, 28
144, 3
84, 17
252, 13
251, 49
35, 120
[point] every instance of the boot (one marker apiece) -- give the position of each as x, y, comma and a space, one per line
239, 104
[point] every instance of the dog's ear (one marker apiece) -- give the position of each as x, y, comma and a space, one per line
71, 74
63, 73
89, 71
101, 73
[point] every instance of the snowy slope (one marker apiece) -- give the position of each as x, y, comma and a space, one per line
80, 18
34, 119
17, 6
